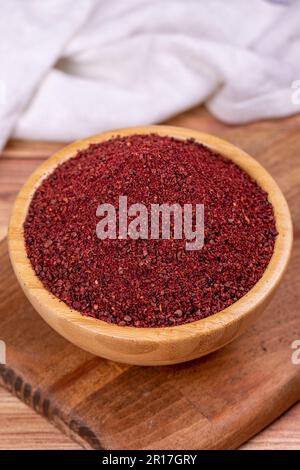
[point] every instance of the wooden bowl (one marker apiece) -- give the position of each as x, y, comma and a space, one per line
153, 346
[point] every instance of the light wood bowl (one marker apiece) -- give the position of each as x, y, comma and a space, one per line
152, 346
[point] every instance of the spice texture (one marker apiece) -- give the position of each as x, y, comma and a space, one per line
147, 282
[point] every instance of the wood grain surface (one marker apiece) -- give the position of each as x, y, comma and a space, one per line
22, 428
276, 145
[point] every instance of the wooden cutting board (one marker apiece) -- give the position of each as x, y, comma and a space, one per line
218, 401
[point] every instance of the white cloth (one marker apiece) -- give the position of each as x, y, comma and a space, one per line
69, 68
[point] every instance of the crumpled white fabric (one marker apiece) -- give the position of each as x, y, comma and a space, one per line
69, 68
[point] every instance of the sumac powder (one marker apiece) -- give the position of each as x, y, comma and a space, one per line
149, 283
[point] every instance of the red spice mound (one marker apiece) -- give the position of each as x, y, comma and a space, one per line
149, 283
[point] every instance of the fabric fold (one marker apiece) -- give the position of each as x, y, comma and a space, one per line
71, 69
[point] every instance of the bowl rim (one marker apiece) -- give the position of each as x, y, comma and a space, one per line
233, 314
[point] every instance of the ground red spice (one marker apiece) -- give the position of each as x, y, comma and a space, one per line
149, 283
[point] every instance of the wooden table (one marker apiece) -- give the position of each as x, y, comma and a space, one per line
20, 427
